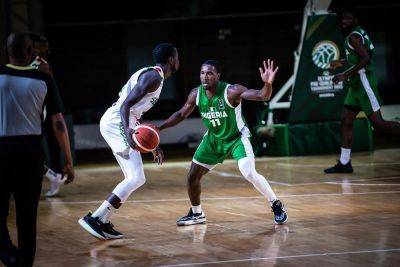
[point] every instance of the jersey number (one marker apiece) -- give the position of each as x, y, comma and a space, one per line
215, 122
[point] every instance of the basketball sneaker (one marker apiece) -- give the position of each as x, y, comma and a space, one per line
192, 218
56, 181
109, 231
340, 168
93, 225
280, 215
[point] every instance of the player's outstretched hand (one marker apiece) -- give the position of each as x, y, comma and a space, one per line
158, 155
69, 173
268, 72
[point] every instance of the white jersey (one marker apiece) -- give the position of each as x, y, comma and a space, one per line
137, 110
111, 124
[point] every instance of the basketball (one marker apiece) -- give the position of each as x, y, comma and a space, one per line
146, 138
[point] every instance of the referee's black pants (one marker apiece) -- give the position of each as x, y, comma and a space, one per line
21, 174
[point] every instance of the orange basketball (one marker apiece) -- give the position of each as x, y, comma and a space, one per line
146, 138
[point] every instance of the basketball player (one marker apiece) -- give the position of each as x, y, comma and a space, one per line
363, 88
220, 106
137, 96
41, 52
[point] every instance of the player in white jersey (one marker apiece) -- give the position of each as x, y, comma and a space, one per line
137, 96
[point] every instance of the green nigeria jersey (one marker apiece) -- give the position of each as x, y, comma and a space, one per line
351, 55
220, 118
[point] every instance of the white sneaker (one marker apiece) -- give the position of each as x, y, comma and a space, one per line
56, 180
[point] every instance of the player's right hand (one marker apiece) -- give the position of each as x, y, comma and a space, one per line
335, 64
129, 138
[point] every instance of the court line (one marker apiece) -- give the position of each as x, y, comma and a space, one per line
228, 174
283, 164
353, 184
287, 257
216, 198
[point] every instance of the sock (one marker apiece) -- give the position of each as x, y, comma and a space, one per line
196, 209
104, 212
345, 155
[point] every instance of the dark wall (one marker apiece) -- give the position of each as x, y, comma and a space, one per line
93, 62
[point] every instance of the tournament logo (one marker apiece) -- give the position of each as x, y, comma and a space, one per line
221, 104
324, 52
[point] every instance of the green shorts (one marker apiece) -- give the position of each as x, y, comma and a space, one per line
363, 93
212, 150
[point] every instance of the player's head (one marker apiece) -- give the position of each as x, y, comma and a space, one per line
210, 73
348, 20
19, 47
40, 46
166, 53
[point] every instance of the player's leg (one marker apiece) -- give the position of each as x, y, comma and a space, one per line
195, 214
204, 159
351, 109
242, 151
379, 124
98, 223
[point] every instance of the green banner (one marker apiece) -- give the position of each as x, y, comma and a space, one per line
315, 98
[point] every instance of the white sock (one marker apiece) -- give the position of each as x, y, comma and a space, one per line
104, 212
345, 155
196, 209
52, 175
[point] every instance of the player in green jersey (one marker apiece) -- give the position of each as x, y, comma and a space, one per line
220, 107
363, 88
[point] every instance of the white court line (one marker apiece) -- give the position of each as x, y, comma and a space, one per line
288, 257
236, 214
228, 174
51, 202
353, 184
324, 165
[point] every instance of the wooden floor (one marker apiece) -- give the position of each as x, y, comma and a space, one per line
334, 220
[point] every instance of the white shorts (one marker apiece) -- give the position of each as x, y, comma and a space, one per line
113, 132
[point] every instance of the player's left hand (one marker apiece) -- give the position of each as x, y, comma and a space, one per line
268, 72
339, 78
158, 155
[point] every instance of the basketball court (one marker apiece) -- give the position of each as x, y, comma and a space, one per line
333, 219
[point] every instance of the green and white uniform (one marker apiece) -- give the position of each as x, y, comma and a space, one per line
227, 133
363, 88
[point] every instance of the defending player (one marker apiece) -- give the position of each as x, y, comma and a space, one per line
221, 110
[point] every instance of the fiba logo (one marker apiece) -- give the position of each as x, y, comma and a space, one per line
324, 52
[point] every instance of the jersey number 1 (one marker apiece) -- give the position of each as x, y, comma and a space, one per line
215, 122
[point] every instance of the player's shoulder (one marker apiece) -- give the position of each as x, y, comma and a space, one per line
149, 75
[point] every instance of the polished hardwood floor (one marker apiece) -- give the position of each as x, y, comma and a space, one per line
334, 220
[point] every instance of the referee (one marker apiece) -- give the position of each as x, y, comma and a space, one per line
24, 91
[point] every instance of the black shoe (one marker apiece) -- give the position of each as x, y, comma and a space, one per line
340, 168
93, 225
280, 215
192, 218
109, 231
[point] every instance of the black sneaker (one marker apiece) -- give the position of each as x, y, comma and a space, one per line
280, 215
93, 225
109, 231
340, 168
192, 218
